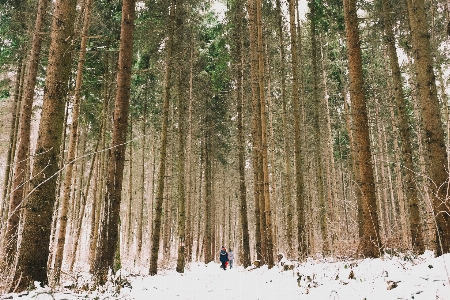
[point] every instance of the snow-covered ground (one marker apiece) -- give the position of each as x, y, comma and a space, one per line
390, 277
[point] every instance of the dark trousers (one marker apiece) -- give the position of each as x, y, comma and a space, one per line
224, 265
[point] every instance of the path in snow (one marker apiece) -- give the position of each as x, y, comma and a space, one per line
203, 282
421, 278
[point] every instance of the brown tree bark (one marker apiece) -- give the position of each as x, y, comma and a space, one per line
150, 202
370, 243
350, 124
239, 76
267, 230
169, 203
97, 190
256, 132
13, 131
181, 176
405, 132
435, 155
33, 250
23, 149
108, 238
129, 216
317, 134
286, 145
78, 223
200, 217
140, 225
76, 203
208, 236
399, 179
330, 167
271, 147
190, 185
299, 196
71, 155
156, 233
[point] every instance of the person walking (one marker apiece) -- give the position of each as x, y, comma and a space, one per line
230, 257
223, 258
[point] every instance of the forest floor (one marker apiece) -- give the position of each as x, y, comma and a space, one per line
396, 276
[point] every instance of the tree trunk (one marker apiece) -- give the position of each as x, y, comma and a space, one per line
23, 150
329, 150
94, 221
317, 134
13, 130
435, 155
405, 133
129, 237
267, 230
300, 201
395, 207
181, 177
169, 202
153, 270
97, 192
256, 130
271, 149
350, 124
71, 155
286, 145
140, 224
239, 76
108, 238
399, 180
380, 175
199, 206
33, 250
77, 203
370, 243
190, 192
78, 223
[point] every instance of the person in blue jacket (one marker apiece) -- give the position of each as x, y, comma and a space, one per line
223, 258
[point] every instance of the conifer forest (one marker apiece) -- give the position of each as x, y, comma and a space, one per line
146, 135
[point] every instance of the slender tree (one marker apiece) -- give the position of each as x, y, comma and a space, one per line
317, 131
156, 232
370, 243
256, 132
13, 131
190, 185
238, 18
95, 204
183, 87
129, 217
267, 229
33, 250
436, 155
181, 177
142, 196
61, 233
109, 238
405, 131
286, 145
208, 233
23, 150
301, 218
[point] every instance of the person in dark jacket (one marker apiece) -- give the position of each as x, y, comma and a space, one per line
223, 258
